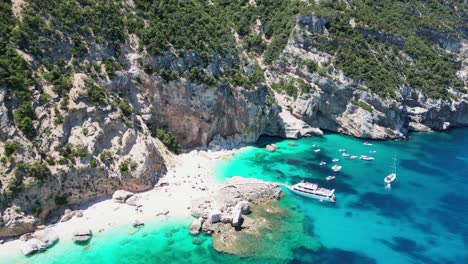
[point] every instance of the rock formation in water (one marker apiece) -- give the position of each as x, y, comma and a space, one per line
225, 209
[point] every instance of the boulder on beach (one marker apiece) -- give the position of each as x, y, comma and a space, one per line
138, 223
69, 214
134, 201
39, 241
82, 235
196, 225
121, 196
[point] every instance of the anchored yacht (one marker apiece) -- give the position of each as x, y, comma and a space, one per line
312, 190
336, 168
392, 176
364, 157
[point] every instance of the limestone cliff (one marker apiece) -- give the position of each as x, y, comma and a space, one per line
338, 103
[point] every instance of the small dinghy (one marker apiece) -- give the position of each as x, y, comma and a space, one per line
336, 168
364, 157
367, 143
316, 150
335, 160
342, 150
322, 163
372, 151
329, 178
353, 157
345, 154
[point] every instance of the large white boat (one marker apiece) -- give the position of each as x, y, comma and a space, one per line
312, 190
392, 176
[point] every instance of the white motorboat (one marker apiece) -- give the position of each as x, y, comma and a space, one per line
372, 151
392, 176
329, 178
353, 157
364, 157
336, 168
322, 163
316, 150
312, 190
345, 154
342, 150
335, 160
367, 143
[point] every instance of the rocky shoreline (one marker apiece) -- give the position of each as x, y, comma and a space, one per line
189, 178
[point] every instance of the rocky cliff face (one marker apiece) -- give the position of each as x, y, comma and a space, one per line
195, 114
340, 104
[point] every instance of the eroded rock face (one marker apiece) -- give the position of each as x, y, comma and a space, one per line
14, 222
195, 114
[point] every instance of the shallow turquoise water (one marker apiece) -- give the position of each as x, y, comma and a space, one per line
422, 219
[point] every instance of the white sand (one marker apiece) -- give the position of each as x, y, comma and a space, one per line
191, 173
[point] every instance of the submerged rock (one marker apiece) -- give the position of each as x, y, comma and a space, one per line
269, 228
271, 147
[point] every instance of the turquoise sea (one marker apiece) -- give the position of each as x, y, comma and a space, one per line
423, 218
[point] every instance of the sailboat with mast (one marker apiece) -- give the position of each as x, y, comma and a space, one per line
392, 176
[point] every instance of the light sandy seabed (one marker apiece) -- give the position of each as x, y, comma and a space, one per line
191, 176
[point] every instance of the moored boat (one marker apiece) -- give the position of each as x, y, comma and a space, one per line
345, 154
322, 163
342, 150
335, 160
312, 190
316, 150
364, 157
353, 157
336, 168
392, 176
367, 143
329, 178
